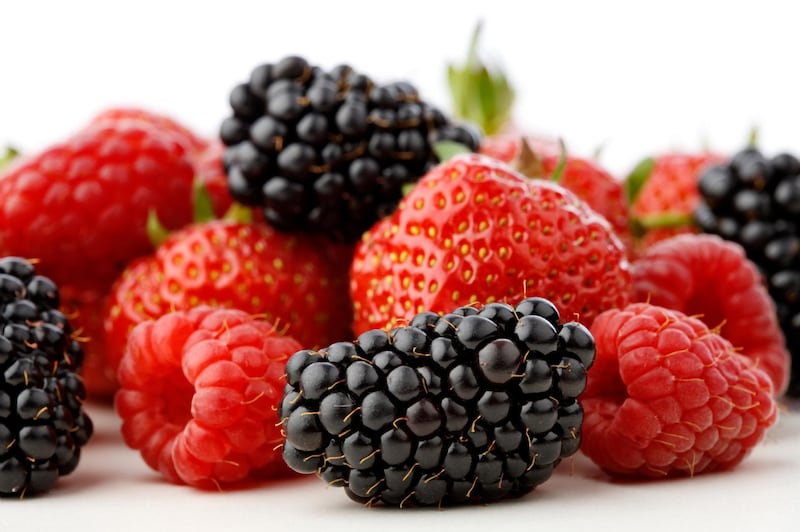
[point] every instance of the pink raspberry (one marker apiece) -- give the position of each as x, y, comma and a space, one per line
711, 278
669, 397
198, 397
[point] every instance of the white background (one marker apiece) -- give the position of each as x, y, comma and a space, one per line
635, 77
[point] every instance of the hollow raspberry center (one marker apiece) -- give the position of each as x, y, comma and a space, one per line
704, 303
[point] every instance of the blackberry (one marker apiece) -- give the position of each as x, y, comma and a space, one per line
329, 151
42, 424
466, 407
755, 201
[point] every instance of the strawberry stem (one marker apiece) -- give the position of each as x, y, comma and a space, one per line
527, 162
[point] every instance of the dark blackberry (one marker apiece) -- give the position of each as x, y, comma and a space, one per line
428, 414
329, 152
755, 201
42, 425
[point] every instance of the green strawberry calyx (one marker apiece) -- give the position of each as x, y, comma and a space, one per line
480, 94
528, 163
637, 178
640, 225
157, 233
664, 220
447, 149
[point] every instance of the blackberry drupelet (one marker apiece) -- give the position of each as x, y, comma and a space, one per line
755, 201
329, 152
42, 424
466, 407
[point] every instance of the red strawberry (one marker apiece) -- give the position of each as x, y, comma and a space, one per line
289, 279
708, 277
662, 194
583, 177
669, 397
483, 95
506, 146
199, 395
473, 230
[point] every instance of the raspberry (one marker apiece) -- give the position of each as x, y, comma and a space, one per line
669, 397
470, 406
754, 200
708, 277
199, 390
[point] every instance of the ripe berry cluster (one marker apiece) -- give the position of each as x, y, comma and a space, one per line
42, 426
328, 151
755, 201
470, 406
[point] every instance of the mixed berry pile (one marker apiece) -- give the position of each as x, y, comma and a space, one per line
348, 282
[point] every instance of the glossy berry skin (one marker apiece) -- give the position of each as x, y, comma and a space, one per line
291, 281
754, 200
328, 151
198, 393
473, 230
42, 423
80, 207
669, 397
711, 278
668, 189
585, 178
471, 406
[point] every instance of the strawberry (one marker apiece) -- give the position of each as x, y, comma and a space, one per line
662, 194
583, 177
291, 280
473, 230
484, 96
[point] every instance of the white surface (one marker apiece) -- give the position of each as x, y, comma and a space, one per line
633, 77
113, 489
